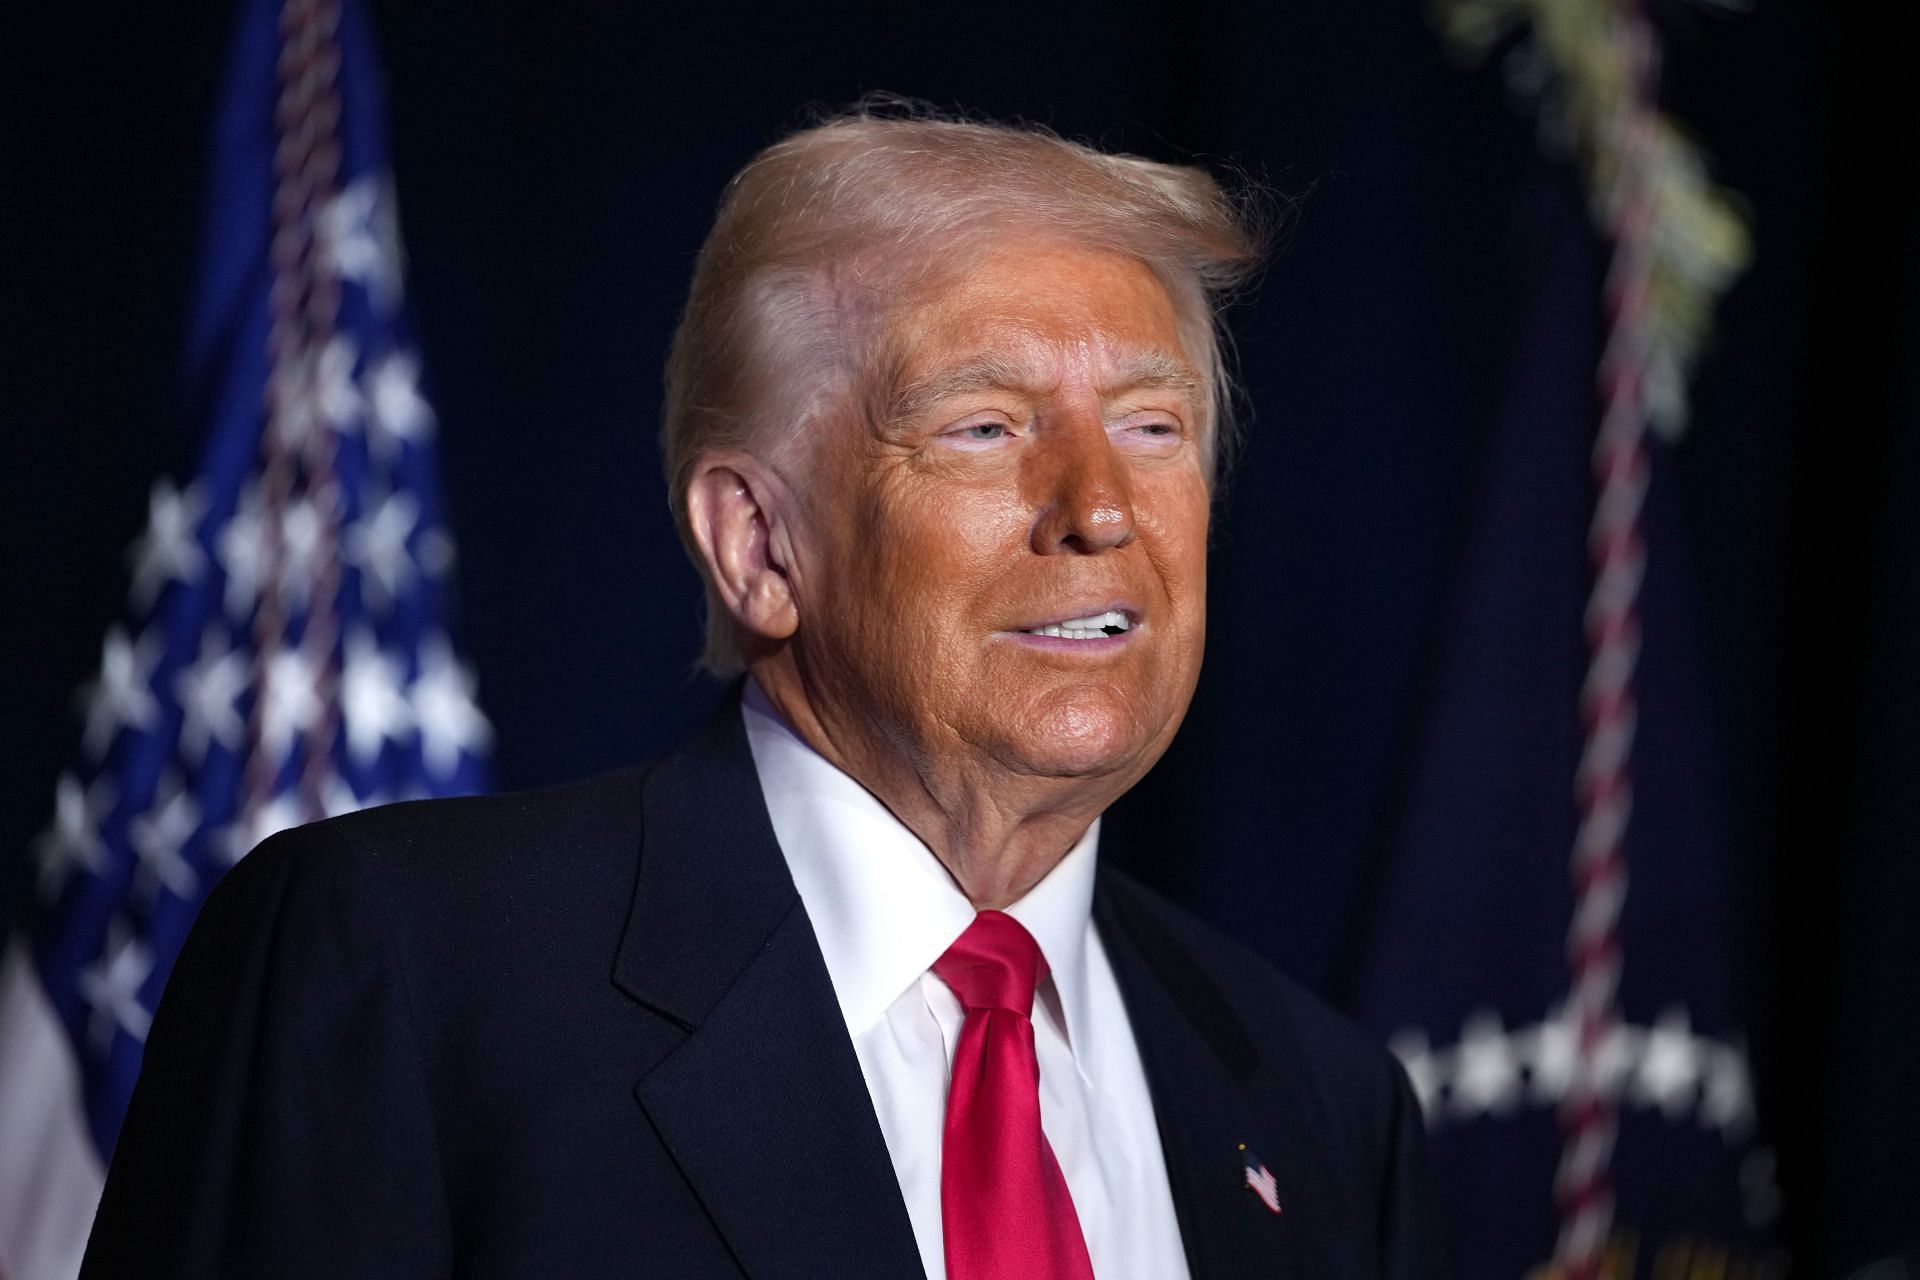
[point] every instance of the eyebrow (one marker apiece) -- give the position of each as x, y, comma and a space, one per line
1149, 370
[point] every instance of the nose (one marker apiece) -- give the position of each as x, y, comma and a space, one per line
1080, 486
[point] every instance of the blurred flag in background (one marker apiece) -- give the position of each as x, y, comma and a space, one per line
284, 654
1551, 948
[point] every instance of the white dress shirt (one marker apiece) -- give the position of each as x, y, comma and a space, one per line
884, 909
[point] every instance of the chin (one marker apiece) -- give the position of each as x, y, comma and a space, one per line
1079, 737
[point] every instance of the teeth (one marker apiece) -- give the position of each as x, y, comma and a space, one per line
1094, 627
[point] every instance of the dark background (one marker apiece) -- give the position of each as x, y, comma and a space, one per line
557, 164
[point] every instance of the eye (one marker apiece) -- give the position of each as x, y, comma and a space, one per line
978, 434
1155, 434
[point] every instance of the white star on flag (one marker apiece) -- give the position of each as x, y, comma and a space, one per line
209, 693
443, 707
377, 543
169, 550
1727, 1102
399, 413
1670, 1065
1555, 1045
73, 843
160, 835
338, 798
336, 395
289, 704
1487, 1077
242, 554
373, 701
112, 986
284, 810
300, 548
359, 235
122, 695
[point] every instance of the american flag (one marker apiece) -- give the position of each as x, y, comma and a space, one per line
1260, 1181
284, 653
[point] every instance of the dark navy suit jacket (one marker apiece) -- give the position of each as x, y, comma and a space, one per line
587, 1031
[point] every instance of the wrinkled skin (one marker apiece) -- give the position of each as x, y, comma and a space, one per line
1036, 457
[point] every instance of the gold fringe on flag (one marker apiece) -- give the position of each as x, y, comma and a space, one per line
1699, 238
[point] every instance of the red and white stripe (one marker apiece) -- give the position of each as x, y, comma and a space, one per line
50, 1172
1583, 1186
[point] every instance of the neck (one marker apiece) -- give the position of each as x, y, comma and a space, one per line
997, 833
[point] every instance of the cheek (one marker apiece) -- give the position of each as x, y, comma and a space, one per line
1176, 521
942, 540
915, 564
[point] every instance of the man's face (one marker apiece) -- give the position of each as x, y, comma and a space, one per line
1035, 462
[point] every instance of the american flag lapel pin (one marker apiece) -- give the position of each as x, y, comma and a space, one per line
1259, 1180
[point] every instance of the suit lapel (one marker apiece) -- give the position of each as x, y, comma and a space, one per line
763, 1105
1201, 1067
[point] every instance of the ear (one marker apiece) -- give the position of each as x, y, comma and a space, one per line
734, 507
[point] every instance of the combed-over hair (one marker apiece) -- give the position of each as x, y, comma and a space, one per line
822, 234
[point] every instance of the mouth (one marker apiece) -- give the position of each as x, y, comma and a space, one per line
1094, 626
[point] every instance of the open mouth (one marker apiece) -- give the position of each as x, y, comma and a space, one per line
1098, 626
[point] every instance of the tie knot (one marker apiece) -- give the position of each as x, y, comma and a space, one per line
995, 964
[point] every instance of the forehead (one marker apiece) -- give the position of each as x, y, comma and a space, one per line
1039, 312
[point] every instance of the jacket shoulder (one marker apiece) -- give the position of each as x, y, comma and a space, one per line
1259, 991
1278, 1020
578, 813
484, 841
1277, 1039
509, 885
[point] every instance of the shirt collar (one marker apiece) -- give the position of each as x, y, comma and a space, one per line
882, 905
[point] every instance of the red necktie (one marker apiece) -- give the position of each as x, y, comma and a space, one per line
1007, 1212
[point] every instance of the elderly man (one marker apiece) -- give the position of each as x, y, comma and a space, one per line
838, 988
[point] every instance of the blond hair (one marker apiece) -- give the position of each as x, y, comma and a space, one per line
823, 233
